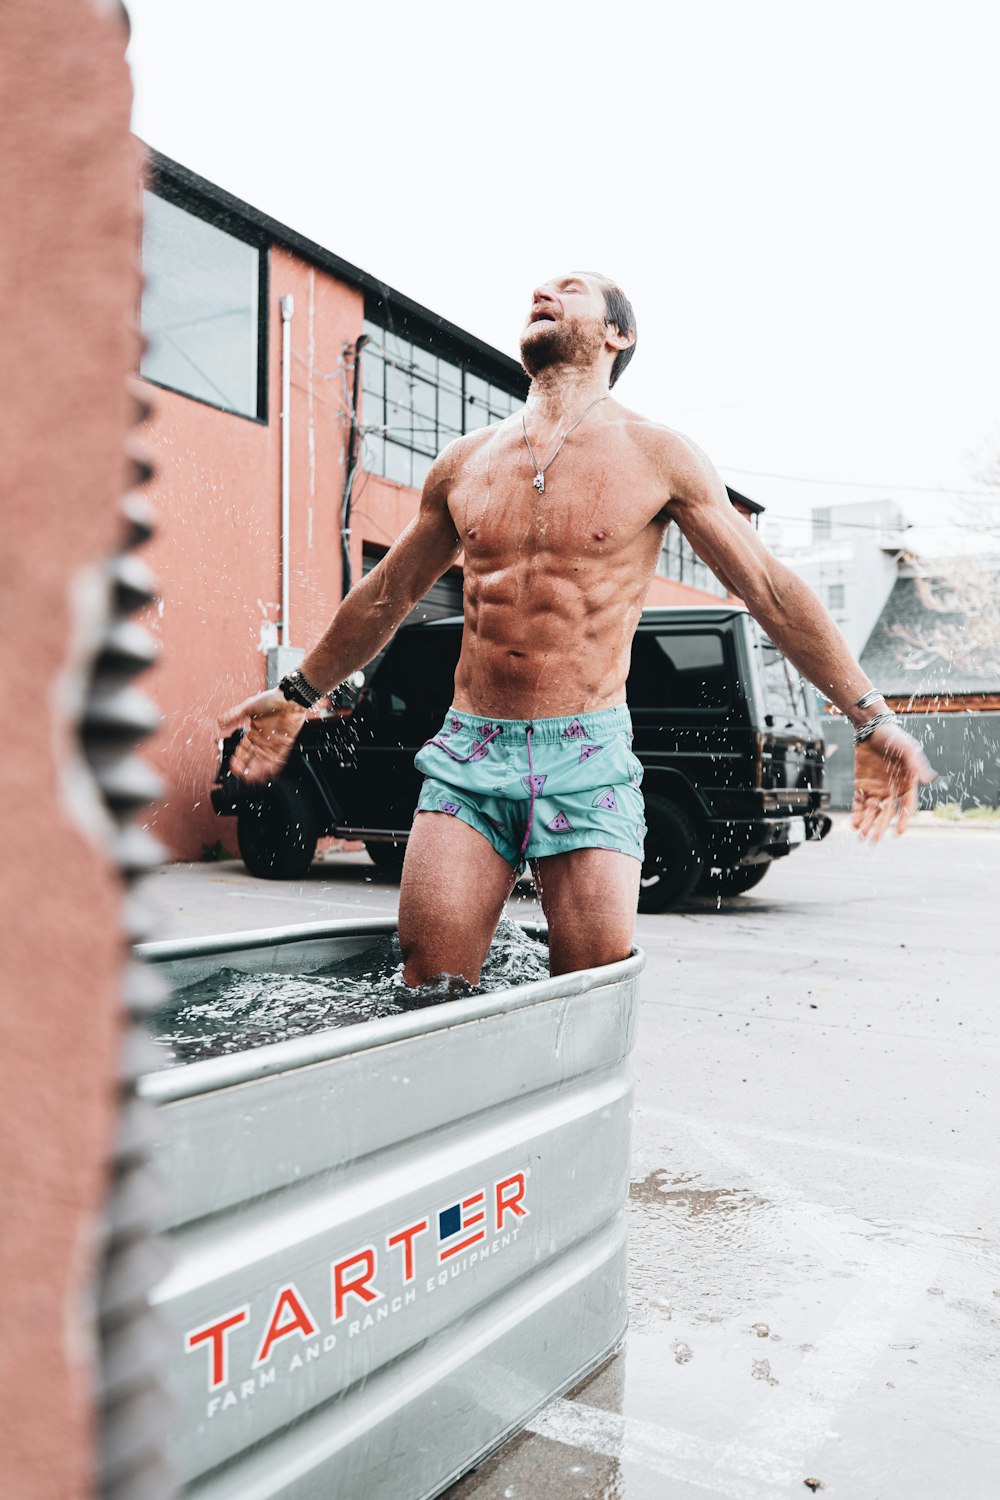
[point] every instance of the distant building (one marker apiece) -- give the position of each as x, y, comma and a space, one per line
934, 652
269, 509
852, 562
934, 647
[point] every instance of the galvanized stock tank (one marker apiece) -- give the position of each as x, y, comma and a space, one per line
395, 1241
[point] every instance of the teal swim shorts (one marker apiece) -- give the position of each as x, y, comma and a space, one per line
541, 787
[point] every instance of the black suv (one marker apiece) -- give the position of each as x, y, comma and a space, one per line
727, 731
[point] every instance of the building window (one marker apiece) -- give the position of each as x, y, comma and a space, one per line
679, 562
201, 307
836, 596
822, 524
414, 403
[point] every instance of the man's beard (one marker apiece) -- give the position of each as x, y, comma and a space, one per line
566, 343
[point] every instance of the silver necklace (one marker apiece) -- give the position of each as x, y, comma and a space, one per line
539, 479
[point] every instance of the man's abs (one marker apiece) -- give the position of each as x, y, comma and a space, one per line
531, 684
554, 583
541, 645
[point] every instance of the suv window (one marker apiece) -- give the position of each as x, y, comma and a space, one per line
418, 673
788, 695
677, 671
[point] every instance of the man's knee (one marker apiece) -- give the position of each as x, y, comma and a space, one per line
573, 950
438, 966
416, 958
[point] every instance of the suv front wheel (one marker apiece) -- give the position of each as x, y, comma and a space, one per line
675, 856
277, 831
387, 858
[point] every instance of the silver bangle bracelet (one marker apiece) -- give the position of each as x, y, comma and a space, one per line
867, 729
872, 696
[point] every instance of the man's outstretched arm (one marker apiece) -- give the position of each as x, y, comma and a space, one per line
889, 766
364, 622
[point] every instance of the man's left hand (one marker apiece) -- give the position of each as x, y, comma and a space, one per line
889, 770
270, 725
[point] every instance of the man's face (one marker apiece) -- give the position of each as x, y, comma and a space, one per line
566, 323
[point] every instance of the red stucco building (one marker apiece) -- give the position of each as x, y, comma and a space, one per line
238, 308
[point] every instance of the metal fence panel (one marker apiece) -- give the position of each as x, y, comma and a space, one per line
964, 749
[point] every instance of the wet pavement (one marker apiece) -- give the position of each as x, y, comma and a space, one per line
815, 1224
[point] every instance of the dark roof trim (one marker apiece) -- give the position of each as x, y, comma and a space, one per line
412, 320
753, 506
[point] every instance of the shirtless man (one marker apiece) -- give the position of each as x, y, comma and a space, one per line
561, 522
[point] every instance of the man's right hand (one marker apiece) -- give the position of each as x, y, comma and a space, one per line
270, 725
889, 770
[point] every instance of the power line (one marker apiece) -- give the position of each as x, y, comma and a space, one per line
864, 484
837, 525
807, 520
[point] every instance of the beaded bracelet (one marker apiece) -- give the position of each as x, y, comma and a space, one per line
298, 690
867, 729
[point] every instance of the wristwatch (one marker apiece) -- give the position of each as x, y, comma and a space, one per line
297, 689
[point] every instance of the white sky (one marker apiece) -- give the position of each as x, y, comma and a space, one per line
800, 200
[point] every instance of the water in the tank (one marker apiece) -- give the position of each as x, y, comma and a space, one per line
231, 1011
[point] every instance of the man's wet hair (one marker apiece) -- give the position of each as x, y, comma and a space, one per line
619, 311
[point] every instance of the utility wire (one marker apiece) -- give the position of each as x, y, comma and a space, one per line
806, 520
862, 484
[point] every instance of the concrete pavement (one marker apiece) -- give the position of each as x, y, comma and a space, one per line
815, 1235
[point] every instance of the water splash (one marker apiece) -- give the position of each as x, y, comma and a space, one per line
233, 1011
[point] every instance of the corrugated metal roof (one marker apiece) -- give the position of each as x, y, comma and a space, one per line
899, 658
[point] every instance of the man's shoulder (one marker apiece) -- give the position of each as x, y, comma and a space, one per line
461, 449
662, 445
455, 457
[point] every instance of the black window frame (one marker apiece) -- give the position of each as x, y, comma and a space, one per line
379, 319
199, 206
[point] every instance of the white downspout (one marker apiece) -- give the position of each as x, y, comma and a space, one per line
287, 308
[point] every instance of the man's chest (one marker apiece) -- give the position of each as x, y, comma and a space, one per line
591, 505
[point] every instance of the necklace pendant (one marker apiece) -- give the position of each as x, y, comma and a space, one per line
539, 482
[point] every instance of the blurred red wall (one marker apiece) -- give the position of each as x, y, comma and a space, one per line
69, 267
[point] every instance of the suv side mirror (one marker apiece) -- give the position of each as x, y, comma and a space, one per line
348, 695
